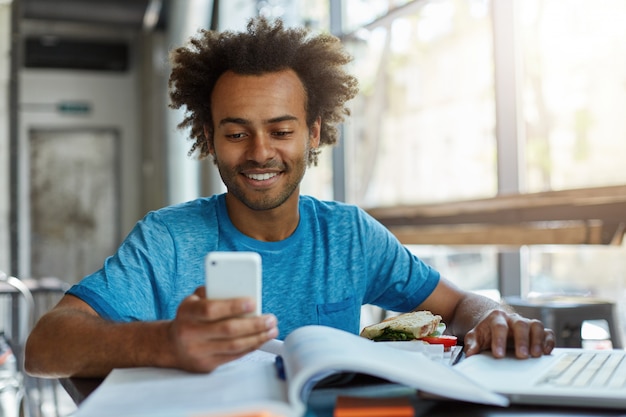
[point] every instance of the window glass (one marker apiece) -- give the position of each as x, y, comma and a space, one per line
318, 180
580, 271
573, 61
310, 13
422, 128
577, 271
358, 13
314, 14
573, 100
471, 268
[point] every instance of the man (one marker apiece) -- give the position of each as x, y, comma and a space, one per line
261, 103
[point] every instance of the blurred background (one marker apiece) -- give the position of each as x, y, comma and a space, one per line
461, 101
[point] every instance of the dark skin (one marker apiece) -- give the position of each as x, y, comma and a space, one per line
261, 140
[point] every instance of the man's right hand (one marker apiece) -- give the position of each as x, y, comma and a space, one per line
73, 340
207, 333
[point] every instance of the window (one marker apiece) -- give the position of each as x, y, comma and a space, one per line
573, 61
573, 101
358, 13
423, 128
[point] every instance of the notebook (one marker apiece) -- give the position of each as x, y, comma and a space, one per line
568, 376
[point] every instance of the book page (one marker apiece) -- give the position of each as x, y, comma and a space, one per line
251, 383
273, 346
247, 384
313, 352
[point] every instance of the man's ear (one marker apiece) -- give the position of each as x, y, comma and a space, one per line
314, 133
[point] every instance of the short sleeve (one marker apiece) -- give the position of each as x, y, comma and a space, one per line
398, 280
130, 283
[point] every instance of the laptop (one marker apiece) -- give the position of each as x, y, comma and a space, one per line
568, 376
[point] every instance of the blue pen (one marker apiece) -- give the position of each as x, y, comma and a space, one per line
280, 367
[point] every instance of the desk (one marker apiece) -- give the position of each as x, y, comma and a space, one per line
80, 388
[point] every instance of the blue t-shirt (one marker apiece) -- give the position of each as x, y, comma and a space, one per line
338, 259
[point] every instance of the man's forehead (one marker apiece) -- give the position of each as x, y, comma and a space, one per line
269, 98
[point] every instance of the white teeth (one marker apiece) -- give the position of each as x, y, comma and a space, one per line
261, 177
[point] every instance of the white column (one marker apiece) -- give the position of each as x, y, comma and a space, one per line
183, 172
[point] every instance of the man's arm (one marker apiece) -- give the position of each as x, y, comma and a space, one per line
73, 340
486, 324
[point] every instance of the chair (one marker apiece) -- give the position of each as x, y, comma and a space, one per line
12, 388
27, 300
566, 315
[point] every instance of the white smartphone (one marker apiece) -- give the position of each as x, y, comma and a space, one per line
233, 275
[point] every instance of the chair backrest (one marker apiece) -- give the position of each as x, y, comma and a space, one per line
20, 316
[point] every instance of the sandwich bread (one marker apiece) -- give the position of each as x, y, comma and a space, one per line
407, 326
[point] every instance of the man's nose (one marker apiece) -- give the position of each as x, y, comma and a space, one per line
261, 148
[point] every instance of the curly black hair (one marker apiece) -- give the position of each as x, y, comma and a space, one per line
264, 47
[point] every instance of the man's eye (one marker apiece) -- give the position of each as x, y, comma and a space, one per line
283, 133
236, 136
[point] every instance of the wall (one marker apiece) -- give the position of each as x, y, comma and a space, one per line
5, 37
114, 103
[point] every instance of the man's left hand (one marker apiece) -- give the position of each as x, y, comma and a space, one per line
499, 330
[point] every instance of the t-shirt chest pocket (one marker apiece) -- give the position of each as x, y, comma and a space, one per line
344, 315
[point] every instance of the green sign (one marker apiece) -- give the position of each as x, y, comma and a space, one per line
74, 107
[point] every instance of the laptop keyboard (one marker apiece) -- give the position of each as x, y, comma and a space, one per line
588, 370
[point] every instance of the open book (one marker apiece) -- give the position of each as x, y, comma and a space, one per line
255, 382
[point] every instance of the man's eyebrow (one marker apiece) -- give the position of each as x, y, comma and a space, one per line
234, 120
279, 119
242, 121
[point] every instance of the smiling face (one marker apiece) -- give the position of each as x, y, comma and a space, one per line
261, 139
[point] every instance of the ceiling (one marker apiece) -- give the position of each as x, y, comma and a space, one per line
111, 14
85, 34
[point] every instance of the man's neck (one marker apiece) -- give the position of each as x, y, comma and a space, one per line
264, 225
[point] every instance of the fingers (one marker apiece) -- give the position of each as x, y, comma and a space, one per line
222, 319
491, 332
207, 333
531, 338
521, 329
244, 338
537, 335
549, 342
232, 332
206, 346
499, 333
196, 305
499, 330
201, 345
472, 347
200, 291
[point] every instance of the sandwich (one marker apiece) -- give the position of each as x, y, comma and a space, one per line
417, 325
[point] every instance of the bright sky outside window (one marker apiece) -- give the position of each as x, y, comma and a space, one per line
423, 127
